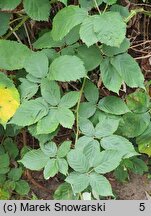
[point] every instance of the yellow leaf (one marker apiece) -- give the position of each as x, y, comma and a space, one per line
9, 99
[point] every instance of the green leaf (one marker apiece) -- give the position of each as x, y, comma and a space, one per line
110, 2
87, 109
42, 138
78, 181
66, 19
124, 12
139, 166
108, 161
121, 174
15, 174
89, 4
87, 34
78, 161
65, 117
48, 124
51, 169
30, 112
106, 128
50, 91
129, 70
37, 64
113, 105
138, 101
64, 192
91, 56
133, 125
63, 149
37, 9
91, 92
49, 149
27, 89
67, 68
105, 30
2, 180
144, 141
110, 76
62, 166
91, 151
9, 5
70, 99
82, 142
46, 41
22, 187
119, 143
4, 17
4, 163
111, 51
34, 160
100, 185
73, 36
15, 61
11, 147
33, 79
86, 127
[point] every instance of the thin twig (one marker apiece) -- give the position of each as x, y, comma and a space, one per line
17, 27
77, 110
143, 57
97, 7
14, 33
29, 41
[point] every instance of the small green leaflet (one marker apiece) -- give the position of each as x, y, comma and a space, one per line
15, 61
91, 92
51, 169
78, 181
37, 9
110, 76
108, 161
49, 149
113, 105
46, 41
27, 89
30, 112
133, 124
4, 17
9, 5
63, 149
144, 141
100, 185
129, 70
119, 143
69, 99
105, 30
67, 68
34, 160
78, 161
65, 117
22, 187
50, 91
64, 192
37, 64
66, 19
91, 56
48, 123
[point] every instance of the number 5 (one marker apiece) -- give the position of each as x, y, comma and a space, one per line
142, 206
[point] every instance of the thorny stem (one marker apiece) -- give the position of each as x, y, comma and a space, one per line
77, 110
97, 7
17, 27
